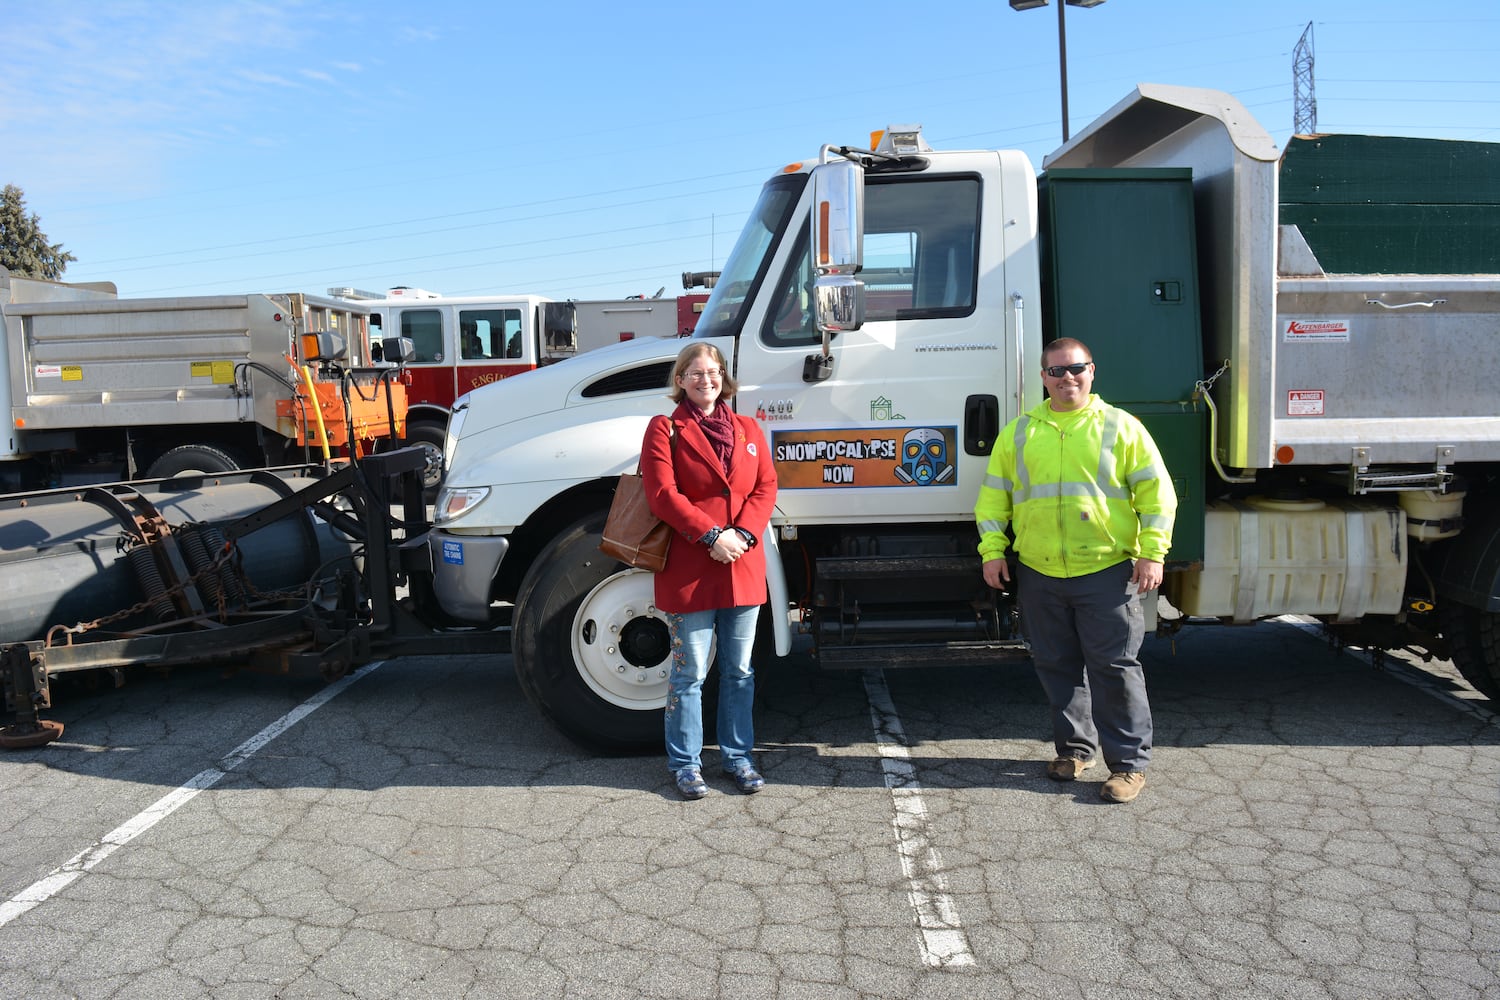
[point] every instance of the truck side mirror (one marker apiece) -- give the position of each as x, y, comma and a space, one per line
837, 247
560, 327
397, 350
322, 346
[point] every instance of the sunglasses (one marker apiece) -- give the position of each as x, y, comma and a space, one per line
1058, 371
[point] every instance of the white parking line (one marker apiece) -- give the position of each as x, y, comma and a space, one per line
943, 941
75, 867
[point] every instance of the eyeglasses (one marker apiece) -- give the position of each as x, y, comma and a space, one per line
1058, 371
705, 375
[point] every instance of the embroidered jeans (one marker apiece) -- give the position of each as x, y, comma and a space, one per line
695, 635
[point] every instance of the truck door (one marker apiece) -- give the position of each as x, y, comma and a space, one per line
490, 346
431, 366
884, 437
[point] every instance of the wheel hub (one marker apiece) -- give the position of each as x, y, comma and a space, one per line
621, 642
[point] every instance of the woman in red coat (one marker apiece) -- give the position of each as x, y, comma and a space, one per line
708, 473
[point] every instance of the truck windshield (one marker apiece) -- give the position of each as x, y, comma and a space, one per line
724, 312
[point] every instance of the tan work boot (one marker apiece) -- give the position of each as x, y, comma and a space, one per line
1122, 786
1068, 768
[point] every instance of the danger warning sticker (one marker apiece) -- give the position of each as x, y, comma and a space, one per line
1304, 402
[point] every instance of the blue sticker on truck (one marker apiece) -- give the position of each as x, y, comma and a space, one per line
453, 552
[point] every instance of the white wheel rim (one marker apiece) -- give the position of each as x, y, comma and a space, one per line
625, 601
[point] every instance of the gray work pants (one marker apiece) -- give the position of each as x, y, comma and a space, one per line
1085, 634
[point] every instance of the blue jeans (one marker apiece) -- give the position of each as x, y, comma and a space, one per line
693, 635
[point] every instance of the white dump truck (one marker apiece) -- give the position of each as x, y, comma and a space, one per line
99, 387
1312, 334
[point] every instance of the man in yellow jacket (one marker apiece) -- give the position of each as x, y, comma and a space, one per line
1081, 486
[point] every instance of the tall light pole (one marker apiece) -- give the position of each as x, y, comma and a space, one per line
1062, 42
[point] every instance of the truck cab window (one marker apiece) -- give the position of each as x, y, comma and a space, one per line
790, 321
425, 328
748, 262
920, 256
484, 334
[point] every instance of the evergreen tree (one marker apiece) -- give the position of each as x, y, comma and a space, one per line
24, 249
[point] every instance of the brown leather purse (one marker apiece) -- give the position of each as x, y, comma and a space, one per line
632, 534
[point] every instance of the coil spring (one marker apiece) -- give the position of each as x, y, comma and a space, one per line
143, 561
198, 560
213, 538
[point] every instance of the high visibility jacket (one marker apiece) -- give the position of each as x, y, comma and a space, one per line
1080, 491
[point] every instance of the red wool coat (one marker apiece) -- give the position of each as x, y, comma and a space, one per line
687, 488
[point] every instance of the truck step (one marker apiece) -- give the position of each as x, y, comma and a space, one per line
883, 567
923, 654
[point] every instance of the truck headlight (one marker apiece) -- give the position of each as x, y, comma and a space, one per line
454, 503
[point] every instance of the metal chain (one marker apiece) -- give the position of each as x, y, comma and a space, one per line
226, 555
1203, 385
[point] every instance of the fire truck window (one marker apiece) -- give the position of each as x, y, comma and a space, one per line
425, 328
484, 333
469, 346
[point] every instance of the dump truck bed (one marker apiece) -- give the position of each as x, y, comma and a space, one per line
1319, 365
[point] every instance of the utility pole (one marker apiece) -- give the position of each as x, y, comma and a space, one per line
1062, 43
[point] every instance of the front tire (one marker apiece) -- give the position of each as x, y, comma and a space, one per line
428, 437
592, 651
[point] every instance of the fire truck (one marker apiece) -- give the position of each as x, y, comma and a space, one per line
461, 343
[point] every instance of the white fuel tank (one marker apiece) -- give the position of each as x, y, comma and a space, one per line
1264, 557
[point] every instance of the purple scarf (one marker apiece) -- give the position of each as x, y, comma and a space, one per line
718, 427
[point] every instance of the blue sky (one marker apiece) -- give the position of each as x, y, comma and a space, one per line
597, 150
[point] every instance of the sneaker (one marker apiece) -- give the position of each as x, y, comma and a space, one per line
748, 780
690, 783
1122, 786
1068, 768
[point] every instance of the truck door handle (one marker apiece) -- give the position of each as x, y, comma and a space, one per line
981, 423
1405, 305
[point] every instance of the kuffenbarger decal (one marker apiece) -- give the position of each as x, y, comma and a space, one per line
1315, 331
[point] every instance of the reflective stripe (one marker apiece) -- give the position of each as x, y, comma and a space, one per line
1144, 475
1104, 477
1108, 435
987, 526
999, 483
1162, 521
1023, 478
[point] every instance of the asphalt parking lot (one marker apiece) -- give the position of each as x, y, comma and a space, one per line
1313, 827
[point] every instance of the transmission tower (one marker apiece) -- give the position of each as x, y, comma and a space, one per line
1304, 97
